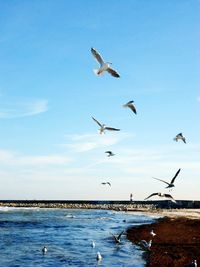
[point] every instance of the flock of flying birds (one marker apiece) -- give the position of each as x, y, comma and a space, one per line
105, 66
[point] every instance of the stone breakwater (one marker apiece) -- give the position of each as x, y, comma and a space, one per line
120, 205
116, 207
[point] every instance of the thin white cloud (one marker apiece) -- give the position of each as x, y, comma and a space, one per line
23, 108
16, 159
198, 98
87, 142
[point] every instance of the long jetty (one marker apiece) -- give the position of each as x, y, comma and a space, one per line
104, 204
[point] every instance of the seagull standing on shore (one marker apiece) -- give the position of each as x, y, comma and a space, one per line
171, 184
109, 153
117, 238
103, 127
192, 264
180, 137
152, 233
145, 245
162, 195
104, 66
131, 106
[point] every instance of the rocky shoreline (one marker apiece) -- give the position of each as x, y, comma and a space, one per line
176, 243
116, 207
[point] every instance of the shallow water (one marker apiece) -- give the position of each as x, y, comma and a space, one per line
68, 234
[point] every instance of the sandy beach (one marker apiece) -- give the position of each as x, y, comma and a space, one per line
177, 239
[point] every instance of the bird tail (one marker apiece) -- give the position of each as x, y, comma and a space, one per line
96, 71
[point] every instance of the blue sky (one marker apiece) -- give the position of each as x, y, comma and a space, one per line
50, 147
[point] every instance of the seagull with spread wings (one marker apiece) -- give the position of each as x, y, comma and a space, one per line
131, 106
117, 238
105, 183
180, 137
171, 184
104, 66
162, 195
103, 127
110, 153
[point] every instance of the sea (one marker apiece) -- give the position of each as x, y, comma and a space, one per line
68, 235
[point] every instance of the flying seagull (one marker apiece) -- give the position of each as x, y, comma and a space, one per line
180, 137
104, 66
105, 183
131, 106
162, 195
171, 184
145, 245
117, 238
103, 127
109, 153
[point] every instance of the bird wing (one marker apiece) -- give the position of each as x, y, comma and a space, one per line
184, 140
169, 196
109, 183
119, 236
173, 179
97, 122
97, 56
132, 107
161, 180
112, 129
109, 152
154, 194
113, 72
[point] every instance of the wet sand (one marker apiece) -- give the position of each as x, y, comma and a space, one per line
177, 241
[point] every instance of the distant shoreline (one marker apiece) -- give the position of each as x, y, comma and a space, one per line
163, 208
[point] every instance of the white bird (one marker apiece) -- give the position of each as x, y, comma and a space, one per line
44, 250
145, 245
192, 264
152, 233
105, 183
162, 195
104, 66
131, 106
171, 184
117, 238
99, 257
93, 244
103, 127
180, 137
109, 153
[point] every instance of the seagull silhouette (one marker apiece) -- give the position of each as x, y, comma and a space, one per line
131, 106
171, 184
162, 195
105, 183
109, 153
103, 127
180, 137
104, 66
117, 238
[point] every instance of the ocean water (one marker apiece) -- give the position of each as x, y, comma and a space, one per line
68, 235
